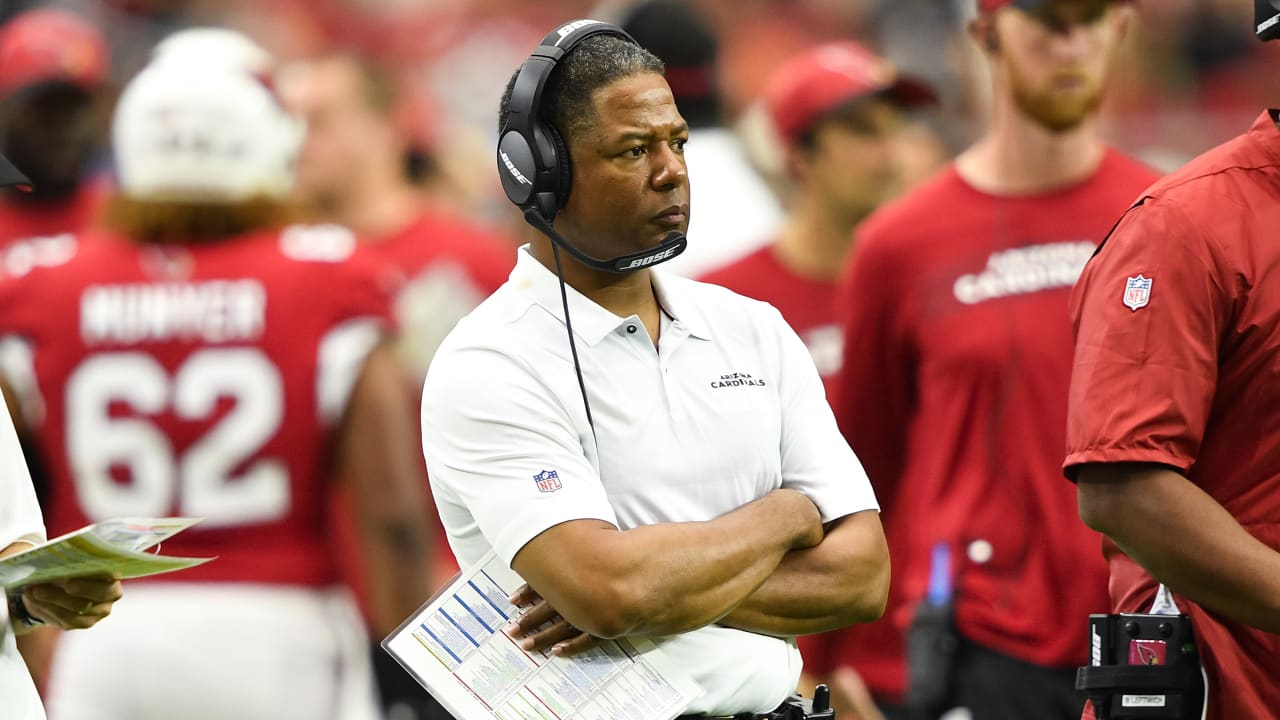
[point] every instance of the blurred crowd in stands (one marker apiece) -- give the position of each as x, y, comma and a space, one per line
1193, 78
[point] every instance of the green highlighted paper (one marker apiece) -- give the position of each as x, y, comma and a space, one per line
112, 547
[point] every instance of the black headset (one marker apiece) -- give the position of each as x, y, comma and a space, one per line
1267, 19
533, 161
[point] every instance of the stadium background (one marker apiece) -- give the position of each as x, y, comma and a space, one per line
1193, 76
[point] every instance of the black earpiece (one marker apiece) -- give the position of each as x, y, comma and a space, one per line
533, 161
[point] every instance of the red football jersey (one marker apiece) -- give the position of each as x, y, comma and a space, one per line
449, 265
807, 304
1177, 340
199, 380
953, 394
22, 218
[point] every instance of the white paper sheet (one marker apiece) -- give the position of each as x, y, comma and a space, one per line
455, 647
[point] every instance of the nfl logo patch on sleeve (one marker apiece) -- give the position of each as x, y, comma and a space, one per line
548, 481
1137, 292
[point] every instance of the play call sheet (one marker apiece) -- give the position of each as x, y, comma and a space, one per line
455, 647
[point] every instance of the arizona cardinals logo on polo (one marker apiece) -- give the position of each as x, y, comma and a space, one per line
737, 380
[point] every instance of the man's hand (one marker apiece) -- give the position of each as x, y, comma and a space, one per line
540, 626
850, 697
72, 604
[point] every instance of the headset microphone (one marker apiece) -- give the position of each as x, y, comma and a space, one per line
672, 245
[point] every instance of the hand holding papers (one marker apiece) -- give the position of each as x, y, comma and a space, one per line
455, 647
112, 547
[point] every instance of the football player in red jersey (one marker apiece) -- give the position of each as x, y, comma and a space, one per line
354, 169
53, 65
211, 360
957, 362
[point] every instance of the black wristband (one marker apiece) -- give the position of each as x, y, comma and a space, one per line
19, 616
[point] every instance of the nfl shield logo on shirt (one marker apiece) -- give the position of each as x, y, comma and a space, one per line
547, 481
1137, 292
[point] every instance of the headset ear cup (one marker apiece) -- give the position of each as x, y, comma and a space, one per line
564, 167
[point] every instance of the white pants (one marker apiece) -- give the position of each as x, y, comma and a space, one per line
206, 651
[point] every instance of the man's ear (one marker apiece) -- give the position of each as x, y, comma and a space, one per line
797, 160
983, 31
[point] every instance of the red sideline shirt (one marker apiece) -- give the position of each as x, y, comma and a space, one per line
21, 219
953, 394
201, 380
1181, 372
809, 307
807, 304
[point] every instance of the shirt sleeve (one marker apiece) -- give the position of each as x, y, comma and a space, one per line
1146, 357
361, 319
498, 440
816, 460
20, 519
874, 393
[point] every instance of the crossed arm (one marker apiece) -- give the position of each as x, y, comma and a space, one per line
766, 567
839, 582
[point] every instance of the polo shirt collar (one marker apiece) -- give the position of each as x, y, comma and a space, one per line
591, 321
673, 296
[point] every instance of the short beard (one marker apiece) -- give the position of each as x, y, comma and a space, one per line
1057, 114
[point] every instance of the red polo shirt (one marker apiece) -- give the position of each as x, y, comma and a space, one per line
1177, 362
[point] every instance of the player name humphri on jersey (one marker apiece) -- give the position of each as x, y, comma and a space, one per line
210, 311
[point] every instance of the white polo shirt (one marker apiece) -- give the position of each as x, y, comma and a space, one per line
728, 408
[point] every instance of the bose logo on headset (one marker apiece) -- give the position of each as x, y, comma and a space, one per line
515, 172
656, 257
567, 28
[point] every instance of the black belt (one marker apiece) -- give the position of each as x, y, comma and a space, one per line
793, 708
740, 716
783, 711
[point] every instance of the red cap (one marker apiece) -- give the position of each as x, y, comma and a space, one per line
821, 79
50, 45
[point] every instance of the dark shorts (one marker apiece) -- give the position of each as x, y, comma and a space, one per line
994, 686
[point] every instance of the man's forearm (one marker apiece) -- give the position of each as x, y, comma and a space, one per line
1185, 539
841, 581
667, 578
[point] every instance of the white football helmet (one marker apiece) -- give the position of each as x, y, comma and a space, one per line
204, 47
209, 131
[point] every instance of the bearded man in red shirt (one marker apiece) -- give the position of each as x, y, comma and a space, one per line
956, 368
